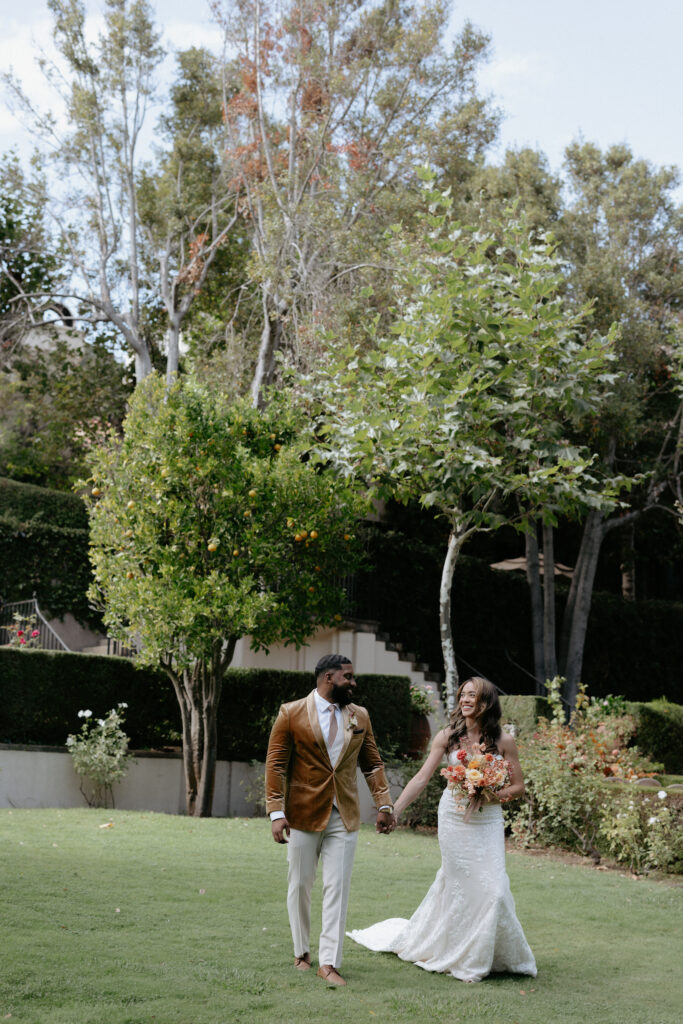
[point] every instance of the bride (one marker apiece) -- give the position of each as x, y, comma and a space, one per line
466, 925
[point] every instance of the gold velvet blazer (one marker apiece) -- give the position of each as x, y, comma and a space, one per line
300, 779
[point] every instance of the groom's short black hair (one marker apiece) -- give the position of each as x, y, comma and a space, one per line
330, 663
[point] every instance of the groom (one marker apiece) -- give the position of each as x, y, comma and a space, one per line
312, 797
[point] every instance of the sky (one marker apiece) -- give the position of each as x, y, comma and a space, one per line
608, 71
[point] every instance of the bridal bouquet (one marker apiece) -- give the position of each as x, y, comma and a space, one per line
477, 776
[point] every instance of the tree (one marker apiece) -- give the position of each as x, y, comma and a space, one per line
622, 233
26, 267
337, 103
464, 405
619, 230
207, 526
132, 238
58, 401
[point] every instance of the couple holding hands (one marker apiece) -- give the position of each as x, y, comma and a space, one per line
466, 925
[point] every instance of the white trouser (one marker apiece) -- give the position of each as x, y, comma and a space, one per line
336, 848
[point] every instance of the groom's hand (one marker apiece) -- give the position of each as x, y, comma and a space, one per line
279, 827
386, 822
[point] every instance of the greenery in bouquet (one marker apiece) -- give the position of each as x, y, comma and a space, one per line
100, 754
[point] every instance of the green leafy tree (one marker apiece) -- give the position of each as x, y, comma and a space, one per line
207, 526
464, 405
622, 233
58, 400
619, 229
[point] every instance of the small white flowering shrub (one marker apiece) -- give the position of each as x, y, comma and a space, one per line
100, 754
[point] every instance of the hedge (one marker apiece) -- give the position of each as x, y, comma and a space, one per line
659, 733
44, 541
524, 711
56, 508
41, 693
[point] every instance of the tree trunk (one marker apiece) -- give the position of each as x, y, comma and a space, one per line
143, 364
172, 350
575, 621
198, 691
549, 638
533, 575
628, 562
271, 339
455, 542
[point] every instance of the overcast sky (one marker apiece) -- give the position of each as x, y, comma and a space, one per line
608, 70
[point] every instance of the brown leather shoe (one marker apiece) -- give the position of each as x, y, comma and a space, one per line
303, 963
329, 974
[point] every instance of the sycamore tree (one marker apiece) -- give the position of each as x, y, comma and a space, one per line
207, 525
465, 404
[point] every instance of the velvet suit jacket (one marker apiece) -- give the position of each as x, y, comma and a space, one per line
300, 779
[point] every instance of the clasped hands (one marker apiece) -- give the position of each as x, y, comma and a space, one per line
386, 822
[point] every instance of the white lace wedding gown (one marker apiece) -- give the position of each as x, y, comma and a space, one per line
466, 925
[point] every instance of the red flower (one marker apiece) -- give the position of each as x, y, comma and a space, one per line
461, 755
20, 632
36, 632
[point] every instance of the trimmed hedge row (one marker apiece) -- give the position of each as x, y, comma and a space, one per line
28, 502
41, 693
659, 733
44, 540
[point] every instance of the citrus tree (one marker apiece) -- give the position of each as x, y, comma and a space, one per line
206, 526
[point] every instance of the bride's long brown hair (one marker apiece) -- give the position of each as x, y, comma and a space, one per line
487, 712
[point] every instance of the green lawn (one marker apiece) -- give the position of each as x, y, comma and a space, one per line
170, 919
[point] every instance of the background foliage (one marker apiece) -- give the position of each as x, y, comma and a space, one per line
42, 692
44, 540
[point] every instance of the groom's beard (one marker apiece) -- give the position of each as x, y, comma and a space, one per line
341, 696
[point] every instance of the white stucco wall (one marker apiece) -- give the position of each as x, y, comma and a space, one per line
32, 778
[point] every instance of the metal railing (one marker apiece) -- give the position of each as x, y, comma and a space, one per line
116, 648
29, 613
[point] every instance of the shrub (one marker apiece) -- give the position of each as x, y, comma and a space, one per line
565, 771
252, 698
643, 830
100, 754
423, 812
659, 732
42, 691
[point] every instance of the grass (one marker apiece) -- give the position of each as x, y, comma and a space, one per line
182, 921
